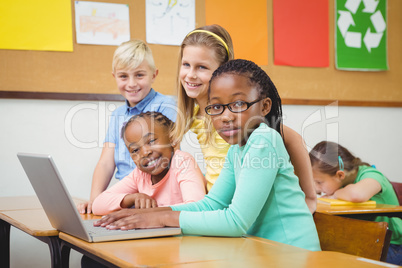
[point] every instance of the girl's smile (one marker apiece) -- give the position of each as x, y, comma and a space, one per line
192, 86
151, 163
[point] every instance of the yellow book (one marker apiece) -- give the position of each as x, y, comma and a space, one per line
338, 202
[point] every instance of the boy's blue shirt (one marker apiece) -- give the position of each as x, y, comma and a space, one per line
154, 101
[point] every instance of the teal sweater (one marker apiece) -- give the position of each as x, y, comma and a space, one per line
256, 193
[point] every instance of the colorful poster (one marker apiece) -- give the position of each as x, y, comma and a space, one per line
247, 24
361, 35
101, 23
301, 35
168, 21
36, 25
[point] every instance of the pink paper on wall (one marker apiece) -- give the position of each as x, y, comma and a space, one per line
301, 34
246, 22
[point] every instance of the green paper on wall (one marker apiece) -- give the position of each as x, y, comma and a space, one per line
361, 35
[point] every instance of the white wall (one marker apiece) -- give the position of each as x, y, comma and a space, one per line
72, 132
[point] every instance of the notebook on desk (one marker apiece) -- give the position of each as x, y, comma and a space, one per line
338, 202
61, 210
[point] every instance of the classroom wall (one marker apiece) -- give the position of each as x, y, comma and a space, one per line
72, 132
88, 66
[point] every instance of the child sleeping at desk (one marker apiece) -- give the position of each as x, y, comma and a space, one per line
339, 174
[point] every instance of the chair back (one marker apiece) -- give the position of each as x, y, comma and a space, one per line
398, 190
367, 239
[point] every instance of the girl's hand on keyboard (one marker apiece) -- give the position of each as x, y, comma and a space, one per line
117, 215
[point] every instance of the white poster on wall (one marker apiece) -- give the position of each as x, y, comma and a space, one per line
168, 21
101, 23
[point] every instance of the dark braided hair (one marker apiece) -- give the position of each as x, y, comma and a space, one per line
259, 78
158, 117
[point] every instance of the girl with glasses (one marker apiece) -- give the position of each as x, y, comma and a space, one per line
257, 192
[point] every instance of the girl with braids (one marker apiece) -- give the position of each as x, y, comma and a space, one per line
257, 192
163, 176
202, 52
339, 174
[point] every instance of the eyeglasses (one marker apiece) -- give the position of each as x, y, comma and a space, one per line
234, 107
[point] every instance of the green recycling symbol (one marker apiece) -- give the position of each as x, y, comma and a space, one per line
350, 17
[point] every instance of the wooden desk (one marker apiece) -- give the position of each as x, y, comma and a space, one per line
173, 250
19, 202
327, 259
33, 222
27, 214
195, 251
377, 210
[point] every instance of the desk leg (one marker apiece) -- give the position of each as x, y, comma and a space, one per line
65, 255
4, 244
54, 247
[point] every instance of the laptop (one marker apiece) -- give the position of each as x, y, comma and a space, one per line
61, 210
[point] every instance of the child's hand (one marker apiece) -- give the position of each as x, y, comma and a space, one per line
143, 220
155, 219
85, 207
114, 216
311, 204
140, 201
114, 219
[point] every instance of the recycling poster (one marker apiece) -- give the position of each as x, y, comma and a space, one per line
361, 35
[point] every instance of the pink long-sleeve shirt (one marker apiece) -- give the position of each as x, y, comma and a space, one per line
183, 183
